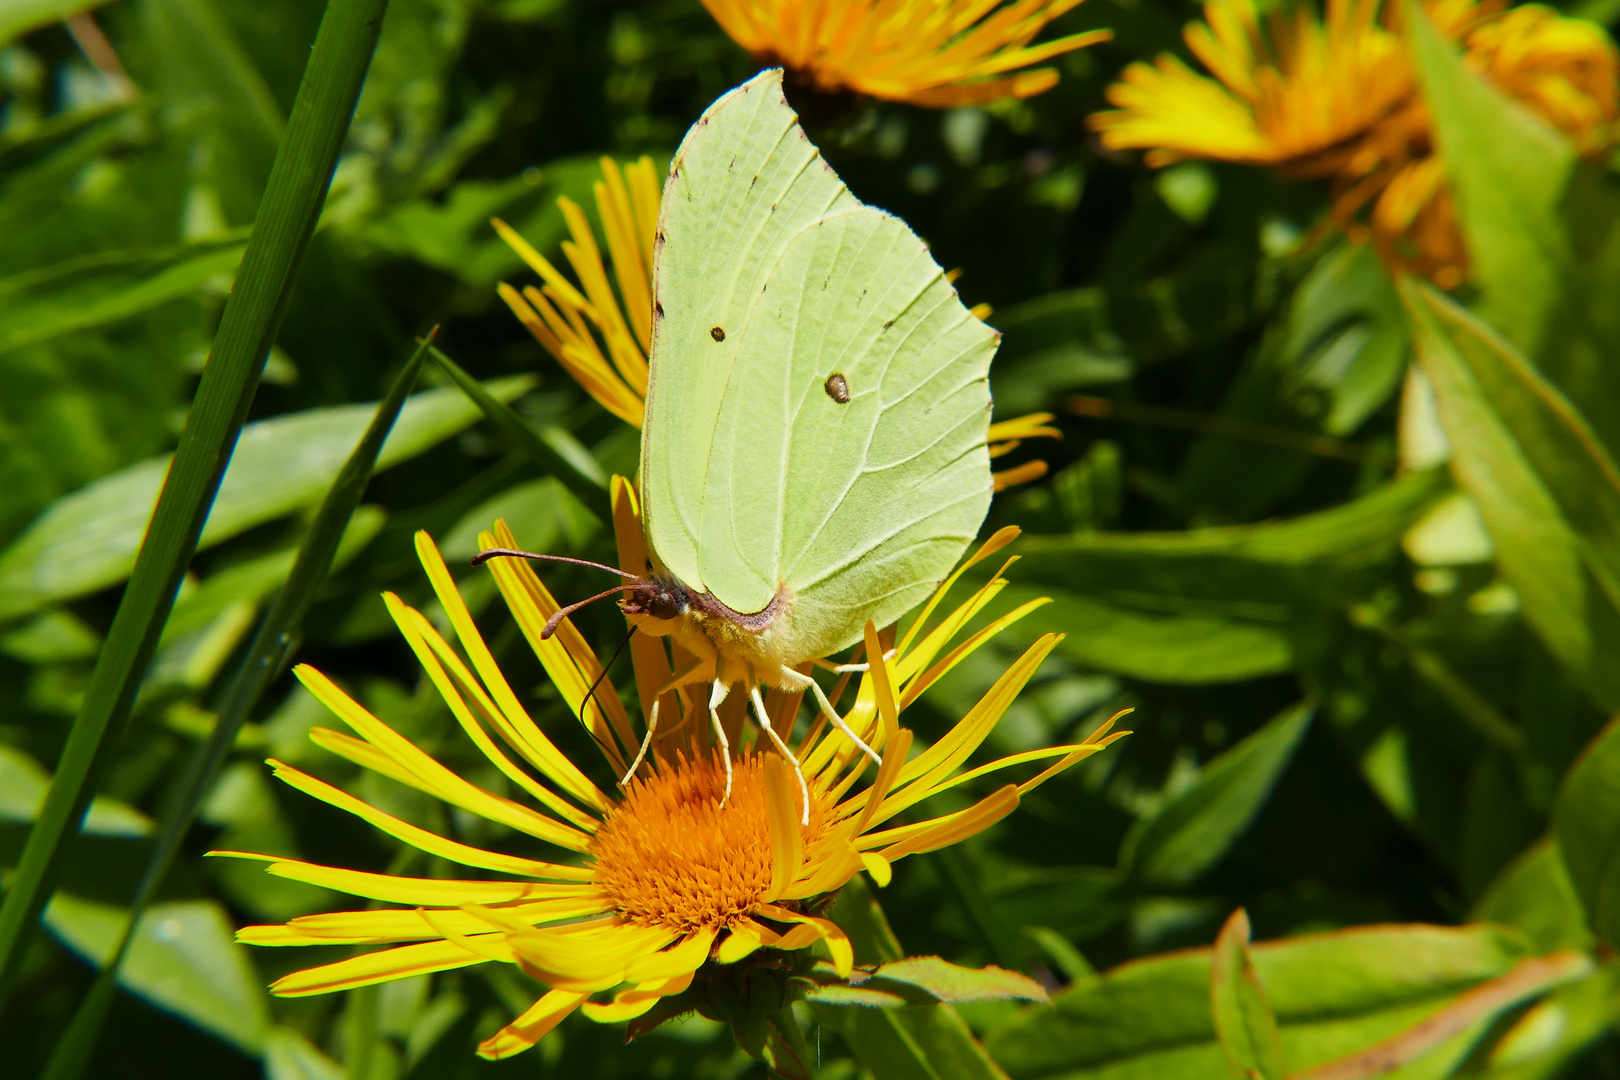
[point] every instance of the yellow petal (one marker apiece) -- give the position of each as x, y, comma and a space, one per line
564, 771
787, 837
431, 843
745, 938
631, 1003
683, 959
436, 892
532, 1026
422, 772
384, 966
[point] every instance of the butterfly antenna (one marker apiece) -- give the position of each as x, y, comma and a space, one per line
551, 624
605, 669
513, 553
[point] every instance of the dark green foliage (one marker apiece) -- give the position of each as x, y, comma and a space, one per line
1370, 638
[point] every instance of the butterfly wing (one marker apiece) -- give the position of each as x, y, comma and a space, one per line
771, 278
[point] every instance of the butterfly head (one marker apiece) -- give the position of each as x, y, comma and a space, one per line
657, 598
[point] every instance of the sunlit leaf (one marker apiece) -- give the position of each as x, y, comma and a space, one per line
1333, 994
1547, 489
87, 540
183, 960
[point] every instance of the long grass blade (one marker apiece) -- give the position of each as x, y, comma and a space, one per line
282, 229
272, 646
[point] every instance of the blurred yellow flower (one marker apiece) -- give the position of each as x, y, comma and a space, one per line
604, 343
1339, 99
1287, 93
1564, 69
660, 878
935, 53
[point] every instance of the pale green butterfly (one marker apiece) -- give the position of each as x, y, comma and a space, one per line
814, 449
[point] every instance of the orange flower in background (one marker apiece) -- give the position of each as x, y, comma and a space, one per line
603, 337
649, 882
1338, 99
1287, 93
934, 53
1564, 69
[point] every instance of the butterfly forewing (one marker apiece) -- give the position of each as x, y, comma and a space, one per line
756, 476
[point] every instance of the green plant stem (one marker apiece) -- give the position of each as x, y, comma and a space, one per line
286, 220
572, 465
786, 1025
273, 645
1469, 705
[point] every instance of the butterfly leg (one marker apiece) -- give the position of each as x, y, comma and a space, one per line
716, 696
680, 678
646, 741
839, 669
792, 680
781, 748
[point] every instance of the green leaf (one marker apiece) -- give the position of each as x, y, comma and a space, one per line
1244, 1025
24, 782
97, 289
17, 17
950, 982
1548, 491
1334, 356
541, 513
87, 540
253, 579
1186, 649
293, 197
1586, 829
1509, 170
1535, 896
1333, 994
925, 980
1095, 335
1213, 604
182, 960
290, 1056
1194, 829
1553, 1032
921, 1042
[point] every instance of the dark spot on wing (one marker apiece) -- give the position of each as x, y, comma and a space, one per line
837, 387
718, 333
658, 308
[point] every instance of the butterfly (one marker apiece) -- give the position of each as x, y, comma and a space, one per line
813, 454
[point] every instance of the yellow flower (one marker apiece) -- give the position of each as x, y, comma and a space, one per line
663, 877
600, 337
604, 344
1339, 99
935, 53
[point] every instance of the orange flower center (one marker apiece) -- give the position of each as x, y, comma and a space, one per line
670, 855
